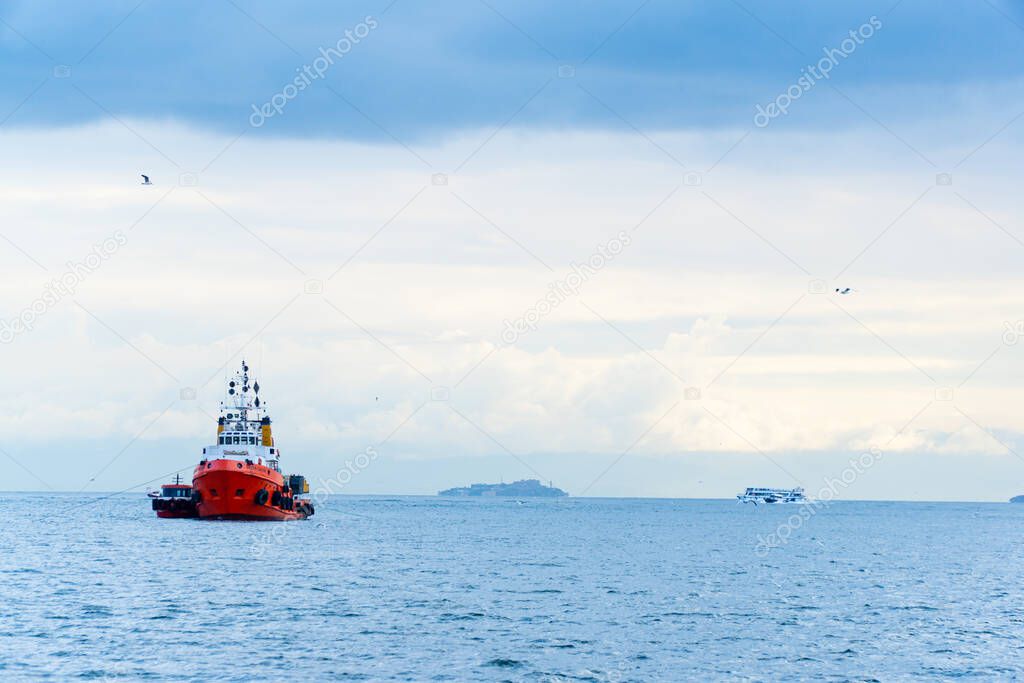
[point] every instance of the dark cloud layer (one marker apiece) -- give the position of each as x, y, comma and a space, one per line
431, 68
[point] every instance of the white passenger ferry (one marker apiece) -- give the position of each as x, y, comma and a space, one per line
763, 495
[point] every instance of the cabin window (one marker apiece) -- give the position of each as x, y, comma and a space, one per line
252, 440
239, 493
213, 493
235, 439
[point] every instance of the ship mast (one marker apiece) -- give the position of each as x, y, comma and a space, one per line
243, 399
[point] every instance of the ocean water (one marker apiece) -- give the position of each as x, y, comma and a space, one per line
430, 589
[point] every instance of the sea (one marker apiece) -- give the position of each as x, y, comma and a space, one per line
575, 589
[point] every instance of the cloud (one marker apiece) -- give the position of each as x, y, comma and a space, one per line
711, 294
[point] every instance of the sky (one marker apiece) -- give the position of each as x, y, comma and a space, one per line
593, 243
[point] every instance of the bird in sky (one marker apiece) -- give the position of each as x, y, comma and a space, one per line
844, 290
145, 179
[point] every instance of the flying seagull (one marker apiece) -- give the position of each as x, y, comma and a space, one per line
844, 290
145, 179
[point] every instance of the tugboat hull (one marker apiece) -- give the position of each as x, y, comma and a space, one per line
175, 508
245, 490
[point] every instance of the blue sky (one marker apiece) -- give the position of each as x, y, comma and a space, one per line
456, 164
429, 70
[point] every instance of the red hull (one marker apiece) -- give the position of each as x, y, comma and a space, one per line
234, 489
168, 514
174, 508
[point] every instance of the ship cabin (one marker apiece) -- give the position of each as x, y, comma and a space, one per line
240, 438
175, 491
243, 442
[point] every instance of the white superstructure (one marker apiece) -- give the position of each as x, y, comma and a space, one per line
243, 427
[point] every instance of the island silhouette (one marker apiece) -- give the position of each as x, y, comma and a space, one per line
519, 489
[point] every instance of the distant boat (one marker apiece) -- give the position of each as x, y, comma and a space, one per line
518, 489
757, 495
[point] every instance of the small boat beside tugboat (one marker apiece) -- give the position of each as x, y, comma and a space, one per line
240, 476
174, 501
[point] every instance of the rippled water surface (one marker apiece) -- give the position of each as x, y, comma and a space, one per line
424, 589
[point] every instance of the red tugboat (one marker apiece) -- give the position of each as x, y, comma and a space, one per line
174, 501
240, 476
